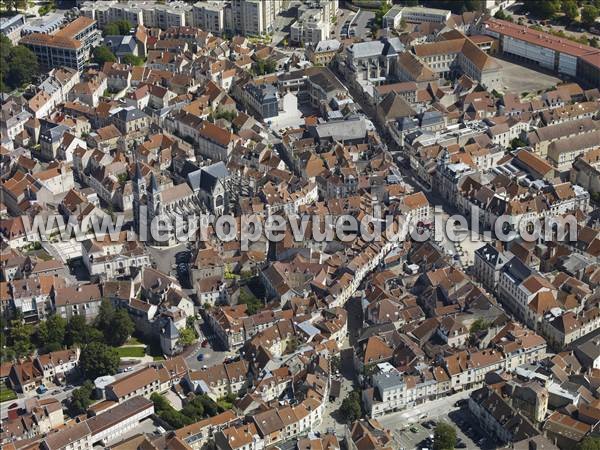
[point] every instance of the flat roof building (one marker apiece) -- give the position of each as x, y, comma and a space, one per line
70, 46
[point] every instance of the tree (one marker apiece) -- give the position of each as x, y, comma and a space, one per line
117, 28
81, 398
544, 10
569, 7
52, 332
382, 11
120, 329
18, 65
15, 5
210, 407
20, 337
252, 303
78, 332
292, 345
264, 67
132, 59
589, 14
336, 363
115, 324
589, 443
501, 14
595, 42
444, 437
105, 315
103, 54
517, 143
187, 336
98, 359
351, 409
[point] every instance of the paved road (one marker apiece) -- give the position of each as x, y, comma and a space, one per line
164, 257
214, 353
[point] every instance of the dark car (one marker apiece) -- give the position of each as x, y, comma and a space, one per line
461, 445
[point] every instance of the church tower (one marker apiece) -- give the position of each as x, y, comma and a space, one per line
139, 201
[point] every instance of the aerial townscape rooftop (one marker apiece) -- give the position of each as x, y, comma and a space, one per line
300, 225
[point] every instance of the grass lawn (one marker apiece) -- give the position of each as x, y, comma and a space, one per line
6, 394
131, 352
133, 341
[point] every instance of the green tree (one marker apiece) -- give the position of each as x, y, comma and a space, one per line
382, 11
595, 42
78, 332
115, 324
252, 303
103, 54
6, 352
589, 14
351, 408
81, 398
589, 443
546, 9
187, 336
52, 331
210, 407
117, 28
502, 15
105, 315
18, 65
517, 143
121, 327
132, 59
98, 359
264, 67
570, 9
444, 437
336, 363
20, 337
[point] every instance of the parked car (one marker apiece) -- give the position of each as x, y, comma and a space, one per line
205, 343
200, 357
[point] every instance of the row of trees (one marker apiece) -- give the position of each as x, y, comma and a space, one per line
549, 9
18, 65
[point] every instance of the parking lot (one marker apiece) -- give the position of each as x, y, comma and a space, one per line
410, 429
357, 24
468, 433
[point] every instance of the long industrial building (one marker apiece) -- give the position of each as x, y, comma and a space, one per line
559, 55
